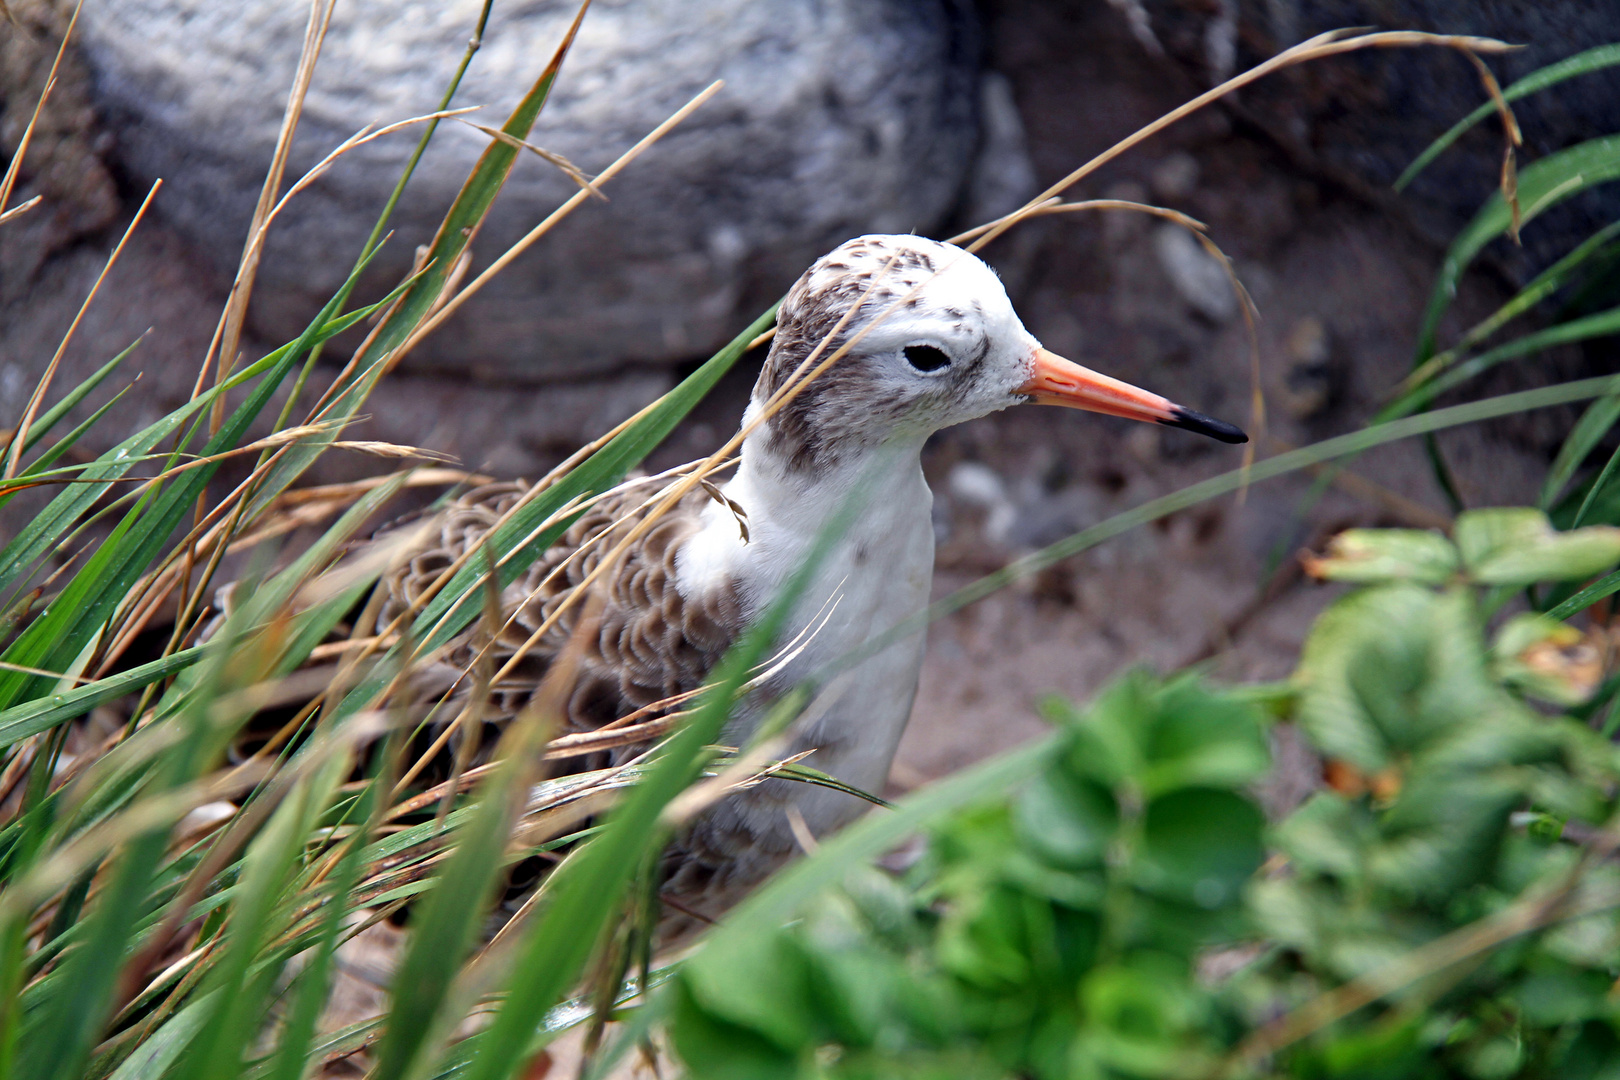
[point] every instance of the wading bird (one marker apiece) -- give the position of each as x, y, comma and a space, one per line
921, 336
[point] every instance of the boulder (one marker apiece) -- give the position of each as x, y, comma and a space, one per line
838, 117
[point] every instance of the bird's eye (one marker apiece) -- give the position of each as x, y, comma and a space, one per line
927, 357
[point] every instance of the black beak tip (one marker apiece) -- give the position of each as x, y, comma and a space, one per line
1188, 420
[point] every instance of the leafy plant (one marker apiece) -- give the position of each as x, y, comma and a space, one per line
1444, 908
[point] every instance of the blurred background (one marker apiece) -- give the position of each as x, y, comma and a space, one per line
841, 117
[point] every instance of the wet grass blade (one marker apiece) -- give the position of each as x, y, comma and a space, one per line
1604, 56
41, 714
50, 417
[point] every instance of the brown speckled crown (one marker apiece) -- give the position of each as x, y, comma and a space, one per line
841, 411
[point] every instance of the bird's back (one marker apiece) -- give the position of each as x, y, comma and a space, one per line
650, 644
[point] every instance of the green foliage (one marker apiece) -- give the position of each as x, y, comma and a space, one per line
1058, 930
1051, 933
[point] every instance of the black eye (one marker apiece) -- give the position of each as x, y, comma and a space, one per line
926, 357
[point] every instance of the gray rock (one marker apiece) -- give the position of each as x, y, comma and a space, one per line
1365, 117
838, 117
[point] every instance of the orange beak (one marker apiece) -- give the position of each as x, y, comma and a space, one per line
1057, 381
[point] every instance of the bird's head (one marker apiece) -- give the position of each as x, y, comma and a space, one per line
934, 342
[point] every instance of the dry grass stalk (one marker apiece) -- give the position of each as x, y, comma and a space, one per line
21, 208
552, 219
35, 400
9, 182
229, 332
568, 168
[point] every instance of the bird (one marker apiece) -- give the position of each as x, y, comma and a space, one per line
922, 336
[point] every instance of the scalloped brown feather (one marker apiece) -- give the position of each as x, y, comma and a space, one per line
653, 643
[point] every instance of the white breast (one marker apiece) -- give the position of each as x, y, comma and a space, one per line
878, 574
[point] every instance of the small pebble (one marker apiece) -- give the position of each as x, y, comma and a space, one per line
1175, 177
1199, 279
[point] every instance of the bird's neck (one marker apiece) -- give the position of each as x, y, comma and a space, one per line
875, 574
877, 499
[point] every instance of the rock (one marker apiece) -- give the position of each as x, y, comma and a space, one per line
1364, 117
838, 117
978, 485
1198, 276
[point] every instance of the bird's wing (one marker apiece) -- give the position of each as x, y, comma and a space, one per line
651, 644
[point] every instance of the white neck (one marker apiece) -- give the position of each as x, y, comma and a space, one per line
877, 573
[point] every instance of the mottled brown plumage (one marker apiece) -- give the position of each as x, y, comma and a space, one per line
651, 644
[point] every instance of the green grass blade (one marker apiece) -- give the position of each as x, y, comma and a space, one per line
58, 1043
48, 527
226, 1039
1593, 426
1542, 185
68, 441
298, 1035
163, 1047
1600, 324
460, 225
1538, 289
782, 897
378, 230
452, 912
50, 417
1597, 488
41, 714
1600, 589
90, 598
1591, 60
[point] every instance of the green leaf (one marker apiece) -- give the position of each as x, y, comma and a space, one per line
1580, 64
1546, 658
1366, 556
1518, 546
1197, 738
1199, 847
1068, 820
